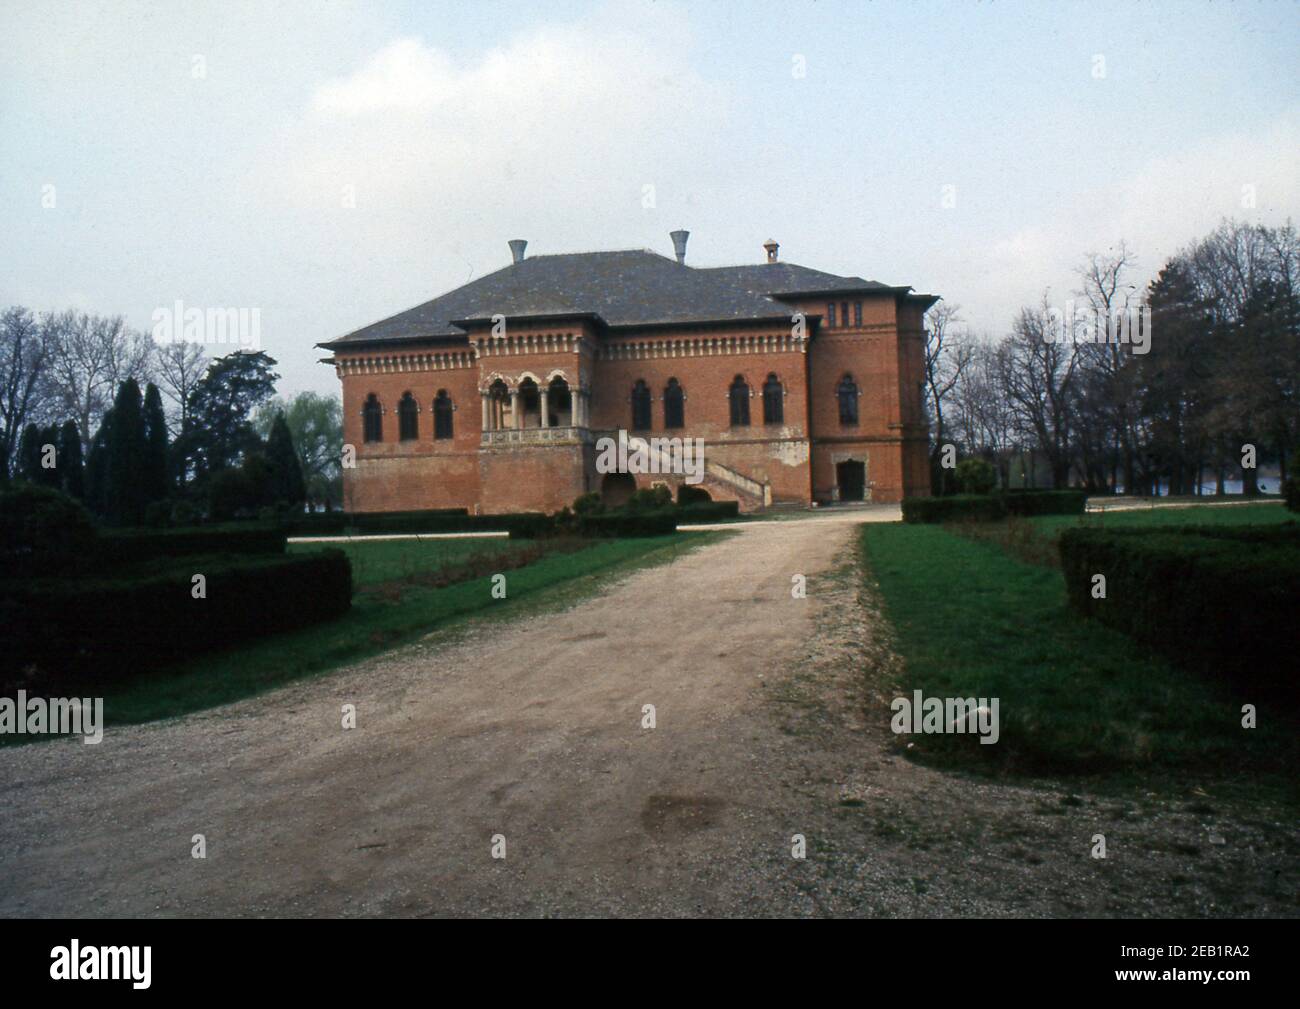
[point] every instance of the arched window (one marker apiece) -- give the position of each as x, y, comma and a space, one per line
408, 418
442, 410
674, 405
372, 416
640, 406
739, 397
773, 401
847, 394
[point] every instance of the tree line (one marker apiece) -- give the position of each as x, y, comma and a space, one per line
1192, 380
147, 433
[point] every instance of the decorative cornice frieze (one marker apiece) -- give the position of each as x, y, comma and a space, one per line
397, 362
725, 345
510, 344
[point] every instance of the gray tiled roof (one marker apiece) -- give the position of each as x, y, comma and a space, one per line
631, 288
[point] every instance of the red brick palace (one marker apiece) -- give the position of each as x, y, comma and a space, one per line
805, 386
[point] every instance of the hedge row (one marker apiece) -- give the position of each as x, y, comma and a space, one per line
104, 627
708, 511
1045, 502
117, 547
1218, 600
662, 523
418, 522
329, 523
992, 507
602, 525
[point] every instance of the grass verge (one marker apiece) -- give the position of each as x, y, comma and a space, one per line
1035, 539
1074, 696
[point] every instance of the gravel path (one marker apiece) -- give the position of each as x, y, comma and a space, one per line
532, 730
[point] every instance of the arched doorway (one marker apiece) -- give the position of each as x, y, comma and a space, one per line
617, 489
559, 403
530, 404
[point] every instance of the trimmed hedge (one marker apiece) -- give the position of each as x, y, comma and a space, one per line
1045, 502
42, 531
456, 521
708, 511
329, 523
973, 507
1219, 600
602, 525
991, 507
659, 523
110, 627
119, 547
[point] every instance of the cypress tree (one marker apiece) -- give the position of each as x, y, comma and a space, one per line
29, 454
157, 485
71, 469
126, 492
96, 477
287, 485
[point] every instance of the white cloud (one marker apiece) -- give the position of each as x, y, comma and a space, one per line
1158, 208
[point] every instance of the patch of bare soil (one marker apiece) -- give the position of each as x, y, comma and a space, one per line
770, 720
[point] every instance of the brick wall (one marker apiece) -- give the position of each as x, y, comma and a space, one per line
797, 458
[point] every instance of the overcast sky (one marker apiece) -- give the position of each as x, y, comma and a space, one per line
207, 151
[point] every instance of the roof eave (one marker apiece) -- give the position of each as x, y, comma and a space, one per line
823, 292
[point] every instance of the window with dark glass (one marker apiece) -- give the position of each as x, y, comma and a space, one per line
844, 313
674, 405
739, 396
442, 411
408, 418
848, 397
773, 395
857, 313
640, 406
830, 314
372, 416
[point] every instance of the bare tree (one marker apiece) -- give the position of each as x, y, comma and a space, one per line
180, 365
948, 353
23, 359
1038, 373
1105, 414
90, 356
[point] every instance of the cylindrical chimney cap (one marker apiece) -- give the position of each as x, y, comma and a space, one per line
679, 243
517, 246
771, 246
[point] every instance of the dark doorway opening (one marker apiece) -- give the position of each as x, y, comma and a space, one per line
617, 489
852, 479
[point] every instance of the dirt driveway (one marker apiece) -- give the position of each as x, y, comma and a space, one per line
533, 730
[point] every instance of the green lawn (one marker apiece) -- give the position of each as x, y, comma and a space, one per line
385, 614
1075, 696
1034, 539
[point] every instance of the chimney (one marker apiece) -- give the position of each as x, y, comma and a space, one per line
679, 243
517, 246
771, 247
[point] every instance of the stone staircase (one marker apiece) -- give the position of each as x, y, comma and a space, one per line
751, 492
